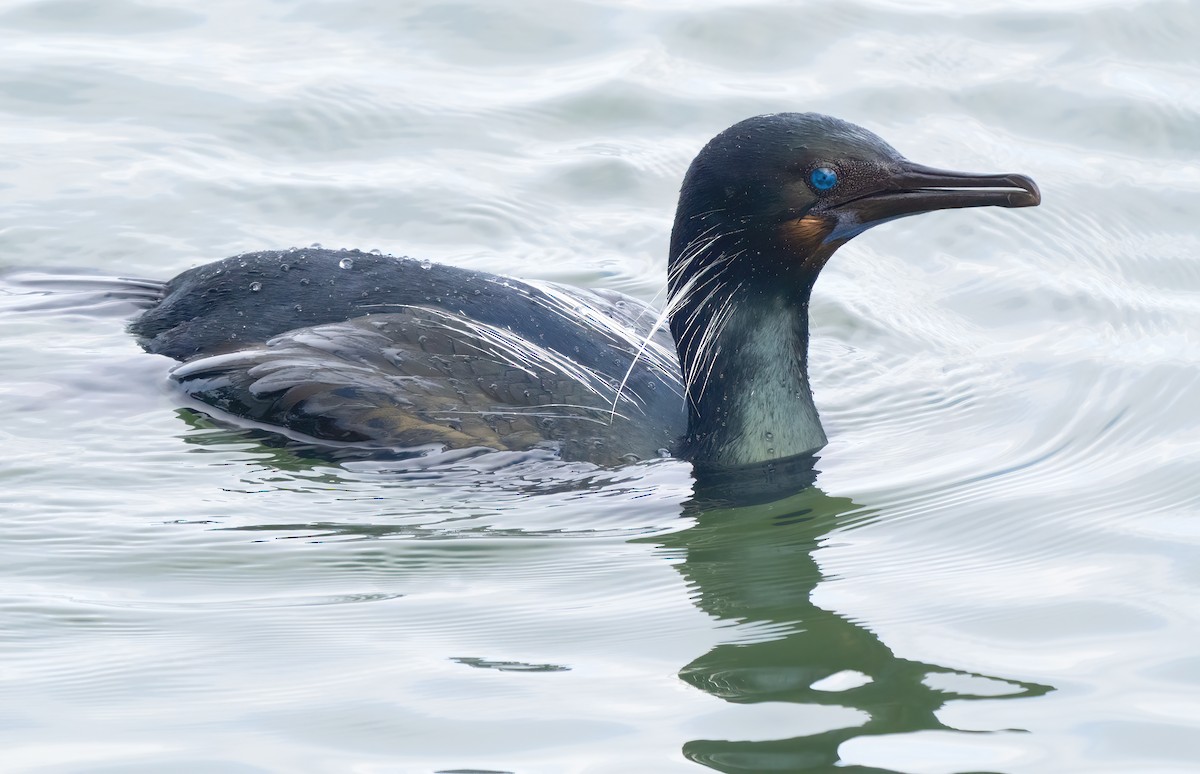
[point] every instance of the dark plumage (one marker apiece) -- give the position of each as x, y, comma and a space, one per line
356, 347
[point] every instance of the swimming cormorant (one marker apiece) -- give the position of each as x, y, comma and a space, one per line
346, 346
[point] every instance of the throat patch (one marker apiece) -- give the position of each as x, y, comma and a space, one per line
808, 237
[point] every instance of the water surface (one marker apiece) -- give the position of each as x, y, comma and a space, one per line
996, 570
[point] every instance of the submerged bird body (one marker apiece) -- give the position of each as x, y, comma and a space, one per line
356, 347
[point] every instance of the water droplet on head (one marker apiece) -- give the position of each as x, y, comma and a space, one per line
475, 291
305, 281
664, 452
769, 435
255, 287
425, 264
346, 263
284, 267
298, 308
376, 251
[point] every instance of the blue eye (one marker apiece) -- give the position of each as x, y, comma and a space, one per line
823, 178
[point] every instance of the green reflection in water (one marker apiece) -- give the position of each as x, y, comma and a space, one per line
754, 566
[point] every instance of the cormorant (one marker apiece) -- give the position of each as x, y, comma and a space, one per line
347, 346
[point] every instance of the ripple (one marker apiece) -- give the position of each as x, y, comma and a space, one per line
116, 18
255, 604
1010, 490
508, 666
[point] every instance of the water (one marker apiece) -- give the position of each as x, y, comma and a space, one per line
997, 570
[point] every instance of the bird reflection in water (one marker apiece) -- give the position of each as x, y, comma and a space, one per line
753, 565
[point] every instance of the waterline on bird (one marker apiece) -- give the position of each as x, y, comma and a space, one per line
353, 347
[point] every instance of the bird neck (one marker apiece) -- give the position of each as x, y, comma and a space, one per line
743, 348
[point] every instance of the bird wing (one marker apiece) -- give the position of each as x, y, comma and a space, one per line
413, 377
